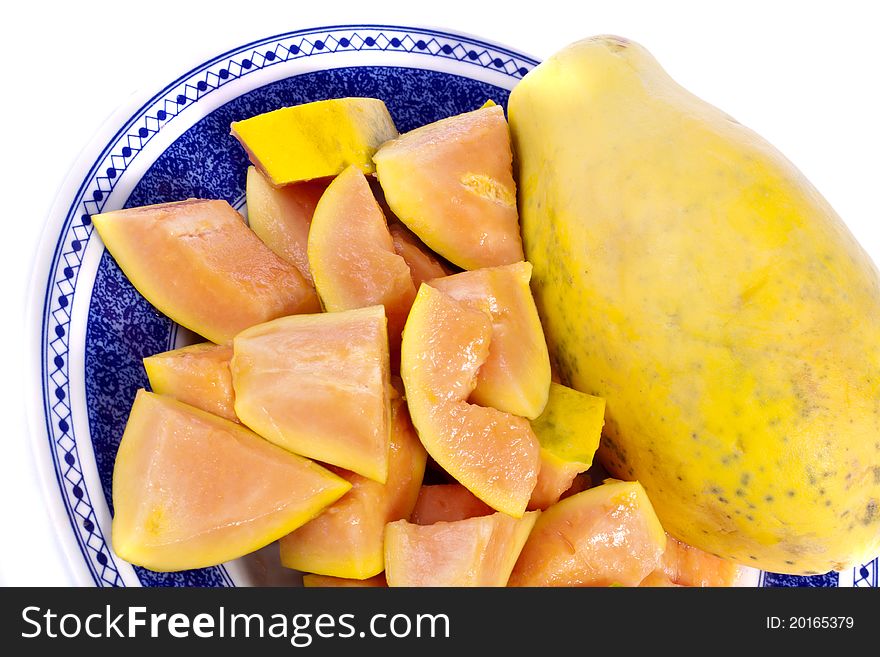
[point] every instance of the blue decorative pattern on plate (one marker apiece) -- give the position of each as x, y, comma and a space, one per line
94, 328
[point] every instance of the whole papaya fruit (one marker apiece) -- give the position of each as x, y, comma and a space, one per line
689, 274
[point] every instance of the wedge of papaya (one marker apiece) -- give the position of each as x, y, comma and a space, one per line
494, 454
197, 375
605, 536
315, 140
516, 376
423, 263
447, 503
281, 216
352, 255
199, 263
318, 386
191, 489
477, 551
569, 431
451, 183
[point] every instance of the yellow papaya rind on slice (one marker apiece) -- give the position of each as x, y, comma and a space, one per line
569, 431
316, 140
244, 494
571, 425
318, 385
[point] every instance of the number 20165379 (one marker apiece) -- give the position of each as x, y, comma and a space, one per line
810, 623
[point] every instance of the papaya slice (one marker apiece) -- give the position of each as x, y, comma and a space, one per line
352, 255
197, 375
555, 477
280, 216
516, 376
581, 482
494, 454
199, 263
312, 580
192, 490
685, 565
315, 140
472, 552
569, 431
318, 386
346, 540
451, 183
604, 536
423, 264
447, 503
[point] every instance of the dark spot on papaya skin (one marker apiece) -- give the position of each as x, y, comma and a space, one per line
740, 492
827, 502
723, 500
768, 498
753, 557
752, 506
679, 478
745, 479
789, 562
871, 514
791, 493
715, 490
876, 475
821, 491
750, 518
844, 514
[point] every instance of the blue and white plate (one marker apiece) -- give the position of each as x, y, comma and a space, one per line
90, 328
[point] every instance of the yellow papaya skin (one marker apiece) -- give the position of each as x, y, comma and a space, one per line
689, 274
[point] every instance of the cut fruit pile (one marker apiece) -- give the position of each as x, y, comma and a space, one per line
347, 347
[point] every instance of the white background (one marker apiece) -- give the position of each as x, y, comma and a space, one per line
803, 74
